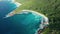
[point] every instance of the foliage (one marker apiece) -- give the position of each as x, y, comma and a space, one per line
51, 8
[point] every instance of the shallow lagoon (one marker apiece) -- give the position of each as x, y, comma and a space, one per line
21, 23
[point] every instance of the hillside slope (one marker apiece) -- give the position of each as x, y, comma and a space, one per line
50, 8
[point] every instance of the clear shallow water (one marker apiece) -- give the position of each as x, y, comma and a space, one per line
20, 24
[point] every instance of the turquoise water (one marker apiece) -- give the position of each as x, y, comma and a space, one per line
20, 24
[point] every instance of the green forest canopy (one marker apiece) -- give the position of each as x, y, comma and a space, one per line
50, 8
